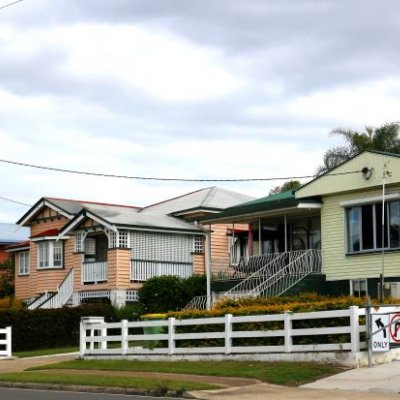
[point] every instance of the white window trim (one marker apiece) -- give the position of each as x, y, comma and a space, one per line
369, 200
51, 265
352, 281
24, 269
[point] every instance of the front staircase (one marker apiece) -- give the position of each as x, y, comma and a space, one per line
277, 276
58, 298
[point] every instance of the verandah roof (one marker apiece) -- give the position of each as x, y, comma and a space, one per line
273, 204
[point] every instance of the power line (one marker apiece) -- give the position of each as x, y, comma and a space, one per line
11, 4
15, 201
71, 171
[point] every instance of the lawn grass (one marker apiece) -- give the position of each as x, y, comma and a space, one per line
46, 352
151, 384
281, 373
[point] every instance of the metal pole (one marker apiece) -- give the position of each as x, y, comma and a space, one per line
259, 238
382, 277
385, 174
368, 331
286, 243
208, 268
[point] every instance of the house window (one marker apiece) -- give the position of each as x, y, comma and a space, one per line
24, 263
359, 287
364, 227
50, 254
79, 242
198, 245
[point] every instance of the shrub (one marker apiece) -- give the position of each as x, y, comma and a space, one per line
40, 329
170, 293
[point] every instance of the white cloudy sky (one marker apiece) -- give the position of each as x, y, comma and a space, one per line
185, 88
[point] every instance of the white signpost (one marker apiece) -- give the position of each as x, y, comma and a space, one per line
380, 340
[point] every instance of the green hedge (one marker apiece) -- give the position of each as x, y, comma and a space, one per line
274, 305
42, 329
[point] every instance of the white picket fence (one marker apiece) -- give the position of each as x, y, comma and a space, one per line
133, 338
5, 342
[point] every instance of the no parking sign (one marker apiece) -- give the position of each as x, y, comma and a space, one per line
395, 328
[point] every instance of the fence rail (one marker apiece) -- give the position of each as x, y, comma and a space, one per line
224, 335
5, 342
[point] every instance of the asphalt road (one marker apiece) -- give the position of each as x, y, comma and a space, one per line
29, 394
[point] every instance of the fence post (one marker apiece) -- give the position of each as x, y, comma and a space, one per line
171, 335
9, 341
287, 319
82, 345
124, 336
354, 329
228, 333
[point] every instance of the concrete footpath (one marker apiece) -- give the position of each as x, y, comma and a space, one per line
361, 383
381, 381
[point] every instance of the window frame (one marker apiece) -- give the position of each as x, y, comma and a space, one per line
376, 225
24, 263
54, 252
360, 282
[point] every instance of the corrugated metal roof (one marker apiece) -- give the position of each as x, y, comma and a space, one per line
124, 217
211, 198
75, 206
12, 233
266, 204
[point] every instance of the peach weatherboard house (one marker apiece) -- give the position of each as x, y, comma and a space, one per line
82, 251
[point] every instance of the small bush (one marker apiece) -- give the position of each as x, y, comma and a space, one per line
41, 329
170, 293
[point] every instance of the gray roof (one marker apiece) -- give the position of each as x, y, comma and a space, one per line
12, 233
75, 206
129, 217
212, 198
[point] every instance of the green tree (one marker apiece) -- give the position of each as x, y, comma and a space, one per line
7, 277
288, 185
170, 293
385, 138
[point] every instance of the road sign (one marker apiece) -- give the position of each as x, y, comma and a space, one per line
380, 339
395, 328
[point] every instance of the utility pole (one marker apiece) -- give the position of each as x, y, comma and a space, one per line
385, 174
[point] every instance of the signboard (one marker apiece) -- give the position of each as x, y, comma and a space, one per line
395, 328
380, 339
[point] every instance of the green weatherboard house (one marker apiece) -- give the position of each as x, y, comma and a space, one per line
327, 236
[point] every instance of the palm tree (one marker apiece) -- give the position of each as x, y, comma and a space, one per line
384, 138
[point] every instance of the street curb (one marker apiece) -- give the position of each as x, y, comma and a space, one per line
97, 389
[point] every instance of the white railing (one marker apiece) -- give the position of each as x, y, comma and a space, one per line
142, 270
278, 333
43, 298
224, 268
93, 294
63, 294
301, 266
93, 272
294, 265
5, 342
198, 303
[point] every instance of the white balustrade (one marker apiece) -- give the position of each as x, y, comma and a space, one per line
93, 272
142, 270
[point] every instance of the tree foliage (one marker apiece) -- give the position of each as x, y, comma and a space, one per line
7, 278
385, 138
170, 293
288, 185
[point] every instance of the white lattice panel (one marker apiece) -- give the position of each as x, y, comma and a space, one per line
161, 246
